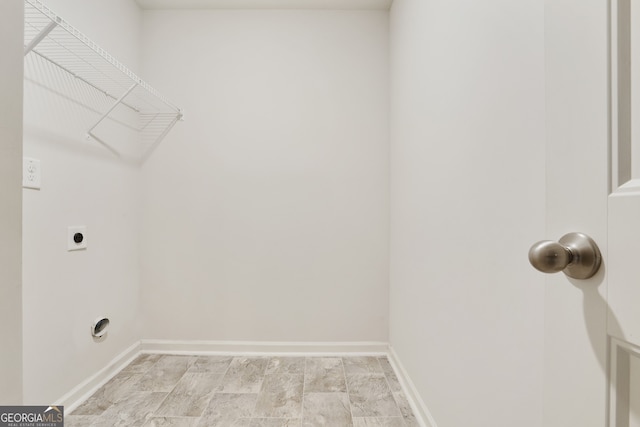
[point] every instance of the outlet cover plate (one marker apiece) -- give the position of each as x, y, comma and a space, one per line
31, 173
72, 245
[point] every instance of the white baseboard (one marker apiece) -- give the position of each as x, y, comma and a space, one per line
84, 390
267, 348
420, 410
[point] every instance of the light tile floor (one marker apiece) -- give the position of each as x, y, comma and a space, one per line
210, 391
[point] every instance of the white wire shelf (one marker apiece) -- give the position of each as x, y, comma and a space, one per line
65, 62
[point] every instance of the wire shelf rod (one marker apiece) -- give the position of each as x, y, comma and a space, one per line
115, 104
62, 51
82, 79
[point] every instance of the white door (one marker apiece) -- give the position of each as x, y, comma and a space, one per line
623, 314
591, 325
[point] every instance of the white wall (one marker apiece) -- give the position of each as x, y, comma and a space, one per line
11, 49
467, 201
82, 184
265, 213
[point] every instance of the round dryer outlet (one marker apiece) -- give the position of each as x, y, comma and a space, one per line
99, 327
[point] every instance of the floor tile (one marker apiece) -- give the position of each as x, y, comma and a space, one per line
118, 388
169, 361
165, 374
378, 422
190, 396
405, 409
370, 396
171, 422
275, 422
132, 412
324, 374
213, 364
228, 409
245, 375
410, 421
210, 391
326, 409
286, 365
361, 365
392, 379
280, 396
142, 363
79, 420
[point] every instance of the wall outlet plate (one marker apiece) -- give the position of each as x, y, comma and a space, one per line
76, 238
31, 173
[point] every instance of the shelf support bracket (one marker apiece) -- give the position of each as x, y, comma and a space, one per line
37, 39
115, 104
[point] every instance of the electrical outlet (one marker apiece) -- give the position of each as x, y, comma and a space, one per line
31, 173
76, 238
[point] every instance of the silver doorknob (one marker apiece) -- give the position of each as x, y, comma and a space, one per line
575, 254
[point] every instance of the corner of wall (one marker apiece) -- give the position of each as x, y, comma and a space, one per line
11, 72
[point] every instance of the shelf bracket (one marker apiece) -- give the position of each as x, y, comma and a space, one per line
37, 39
115, 104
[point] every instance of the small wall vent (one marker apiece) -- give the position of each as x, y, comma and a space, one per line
99, 327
